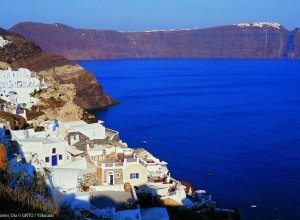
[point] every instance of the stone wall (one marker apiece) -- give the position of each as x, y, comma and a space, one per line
84, 140
99, 141
117, 180
113, 135
81, 145
99, 175
70, 135
135, 168
116, 137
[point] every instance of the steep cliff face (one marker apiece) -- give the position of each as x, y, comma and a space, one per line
19, 52
294, 44
259, 40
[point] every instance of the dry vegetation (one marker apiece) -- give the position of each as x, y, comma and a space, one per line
21, 201
20, 194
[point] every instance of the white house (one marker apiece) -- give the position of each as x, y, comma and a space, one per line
17, 86
155, 167
66, 180
51, 151
91, 131
3, 42
116, 166
75, 131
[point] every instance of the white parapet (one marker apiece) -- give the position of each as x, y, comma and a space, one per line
17, 86
260, 24
3, 42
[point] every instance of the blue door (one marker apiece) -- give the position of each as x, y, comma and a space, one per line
54, 160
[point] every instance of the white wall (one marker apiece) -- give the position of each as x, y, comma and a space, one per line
44, 150
60, 150
3, 42
21, 82
93, 131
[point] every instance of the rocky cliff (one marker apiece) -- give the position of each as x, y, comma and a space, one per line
72, 86
258, 40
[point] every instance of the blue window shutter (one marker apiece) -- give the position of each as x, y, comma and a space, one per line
47, 159
137, 175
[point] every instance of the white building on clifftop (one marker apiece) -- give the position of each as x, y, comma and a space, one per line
17, 86
3, 42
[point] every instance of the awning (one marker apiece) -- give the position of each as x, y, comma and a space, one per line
74, 151
163, 163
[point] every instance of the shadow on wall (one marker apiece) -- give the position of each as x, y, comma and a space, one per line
28, 190
23, 190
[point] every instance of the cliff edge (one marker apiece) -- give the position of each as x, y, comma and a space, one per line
80, 87
256, 40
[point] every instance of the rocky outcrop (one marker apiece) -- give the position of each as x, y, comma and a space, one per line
58, 71
58, 102
258, 40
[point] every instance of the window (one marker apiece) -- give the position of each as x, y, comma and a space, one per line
75, 137
47, 159
118, 175
134, 175
54, 150
60, 157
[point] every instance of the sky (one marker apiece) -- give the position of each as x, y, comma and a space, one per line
140, 15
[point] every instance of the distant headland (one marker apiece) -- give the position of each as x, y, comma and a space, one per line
260, 40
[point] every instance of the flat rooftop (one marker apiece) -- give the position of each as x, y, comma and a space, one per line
105, 199
43, 140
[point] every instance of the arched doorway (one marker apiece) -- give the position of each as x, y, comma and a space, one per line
110, 178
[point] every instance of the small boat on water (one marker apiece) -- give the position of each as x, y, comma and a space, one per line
144, 142
200, 191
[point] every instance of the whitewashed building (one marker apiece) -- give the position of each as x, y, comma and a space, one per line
3, 42
116, 166
75, 129
66, 180
50, 151
17, 86
157, 169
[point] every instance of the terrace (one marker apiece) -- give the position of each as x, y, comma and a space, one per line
112, 135
112, 157
118, 160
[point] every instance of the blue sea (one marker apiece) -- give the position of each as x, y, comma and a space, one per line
236, 119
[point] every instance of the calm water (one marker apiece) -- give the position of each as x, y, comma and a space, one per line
239, 119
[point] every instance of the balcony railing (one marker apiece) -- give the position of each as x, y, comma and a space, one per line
130, 160
119, 164
109, 164
143, 163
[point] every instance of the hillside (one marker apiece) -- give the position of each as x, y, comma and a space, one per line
74, 87
258, 40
